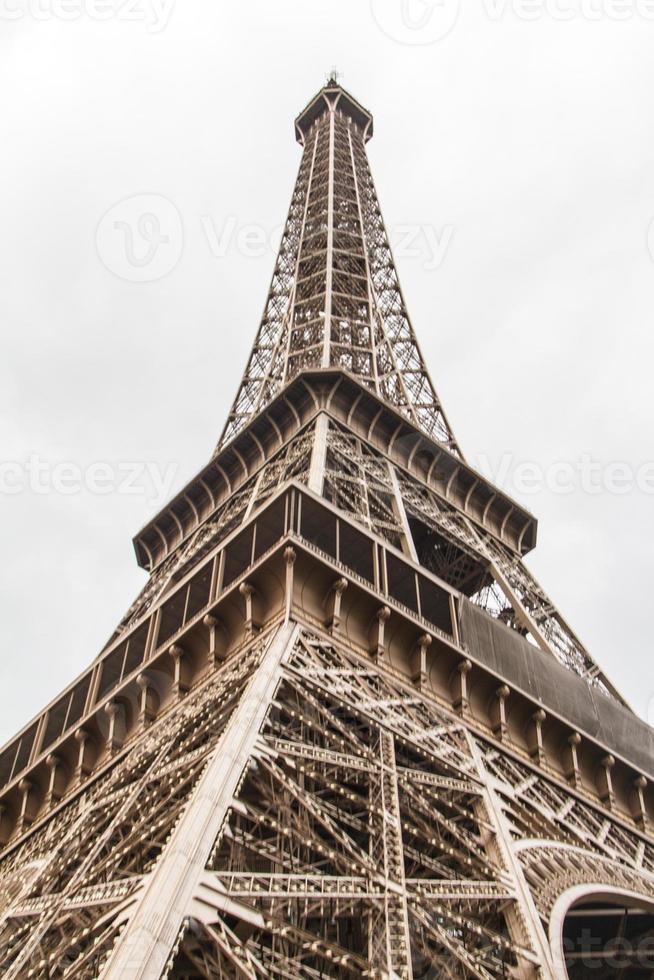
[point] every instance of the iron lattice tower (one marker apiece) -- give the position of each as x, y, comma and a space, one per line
342, 732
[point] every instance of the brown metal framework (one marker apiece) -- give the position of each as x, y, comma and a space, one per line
335, 299
342, 732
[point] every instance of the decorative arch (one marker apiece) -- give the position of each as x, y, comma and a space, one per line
562, 876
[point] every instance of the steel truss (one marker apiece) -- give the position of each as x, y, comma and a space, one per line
335, 298
62, 890
355, 832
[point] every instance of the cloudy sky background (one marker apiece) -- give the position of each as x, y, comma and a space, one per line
523, 147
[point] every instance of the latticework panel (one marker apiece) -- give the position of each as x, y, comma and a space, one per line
357, 481
402, 376
357, 842
264, 372
539, 809
62, 890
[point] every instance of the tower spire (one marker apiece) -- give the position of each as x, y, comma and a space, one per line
335, 300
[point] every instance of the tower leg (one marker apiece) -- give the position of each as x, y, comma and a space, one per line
522, 918
148, 939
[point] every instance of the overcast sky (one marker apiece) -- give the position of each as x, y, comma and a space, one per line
514, 159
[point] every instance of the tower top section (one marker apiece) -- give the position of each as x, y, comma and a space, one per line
332, 97
335, 300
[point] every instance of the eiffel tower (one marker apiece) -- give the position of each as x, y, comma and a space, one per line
342, 731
